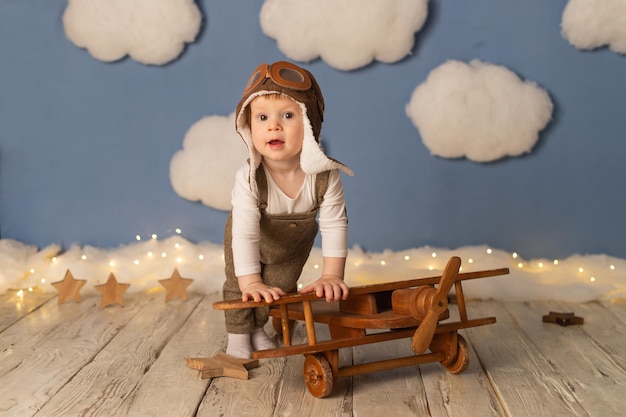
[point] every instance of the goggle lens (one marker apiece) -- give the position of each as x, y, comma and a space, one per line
291, 75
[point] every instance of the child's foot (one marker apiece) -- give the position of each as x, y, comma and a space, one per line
260, 340
239, 346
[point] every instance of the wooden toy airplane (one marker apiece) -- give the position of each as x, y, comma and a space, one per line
396, 310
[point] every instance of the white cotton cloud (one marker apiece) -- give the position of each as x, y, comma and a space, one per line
346, 34
152, 32
205, 168
141, 264
589, 24
480, 111
575, 279
20, 262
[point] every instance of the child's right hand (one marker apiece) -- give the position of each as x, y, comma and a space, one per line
258, 291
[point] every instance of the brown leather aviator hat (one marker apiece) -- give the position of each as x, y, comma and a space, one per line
299, 84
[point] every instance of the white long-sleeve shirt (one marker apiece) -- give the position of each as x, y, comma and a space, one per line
332, 217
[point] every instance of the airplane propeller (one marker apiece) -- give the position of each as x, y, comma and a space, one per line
426, 330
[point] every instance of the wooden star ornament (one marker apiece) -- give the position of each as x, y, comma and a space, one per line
69, 288
175, 286
562, 319
223, 365
112, 292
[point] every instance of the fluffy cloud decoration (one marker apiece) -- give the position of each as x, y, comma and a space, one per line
23, 266
205, 168
150, 31
346, 34
478, 110
589, 24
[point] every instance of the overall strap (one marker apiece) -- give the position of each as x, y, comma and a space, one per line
321, 185
261, 184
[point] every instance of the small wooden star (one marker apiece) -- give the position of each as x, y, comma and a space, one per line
69, 288
112, 292
176, 286
223, 365
562, 319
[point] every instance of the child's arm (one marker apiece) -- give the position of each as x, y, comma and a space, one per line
330, 285
253, 287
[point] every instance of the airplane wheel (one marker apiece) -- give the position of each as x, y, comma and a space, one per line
461, 362
318, 375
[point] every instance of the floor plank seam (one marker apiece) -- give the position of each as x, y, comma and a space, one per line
492, 383
173, 334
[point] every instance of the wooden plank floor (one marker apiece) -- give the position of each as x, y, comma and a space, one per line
75, 359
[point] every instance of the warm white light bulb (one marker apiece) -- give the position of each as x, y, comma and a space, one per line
514, 255
612, 267
163, 254
540, 264
84, 257
136, 262
179, 260
580, 269
316, 266
111, 263
154, 236
54, 259
383, 263
434, 254
177, 246
556, 261
520, 265
592, 279
138, 237
470, 260
178, 230
430, 267
407, 257
201, 257
489, 251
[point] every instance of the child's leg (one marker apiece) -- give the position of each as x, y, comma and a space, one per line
284, 276
239, 324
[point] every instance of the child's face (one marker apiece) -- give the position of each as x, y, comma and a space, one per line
277, 127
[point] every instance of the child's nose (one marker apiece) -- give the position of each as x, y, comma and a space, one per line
275, 124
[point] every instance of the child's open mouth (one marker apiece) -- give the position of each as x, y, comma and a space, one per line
275, 142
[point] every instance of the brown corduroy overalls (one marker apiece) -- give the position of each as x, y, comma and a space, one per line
286, 242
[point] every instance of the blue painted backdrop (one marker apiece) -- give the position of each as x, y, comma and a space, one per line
85, 146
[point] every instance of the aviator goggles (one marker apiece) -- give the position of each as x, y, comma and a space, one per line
284, 74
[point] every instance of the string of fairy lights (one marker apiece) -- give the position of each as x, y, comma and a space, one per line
384, 260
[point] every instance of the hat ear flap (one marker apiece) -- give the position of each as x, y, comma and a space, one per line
318, 95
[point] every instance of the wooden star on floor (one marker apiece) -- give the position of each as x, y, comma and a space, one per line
69, 288
176, 286
562, 319
223, 365
112, 292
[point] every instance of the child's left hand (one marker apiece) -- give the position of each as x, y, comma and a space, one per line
329, 286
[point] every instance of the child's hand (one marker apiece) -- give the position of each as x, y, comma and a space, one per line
258, 291
330, 286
